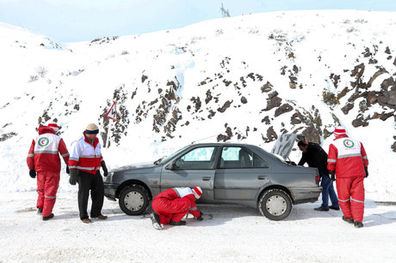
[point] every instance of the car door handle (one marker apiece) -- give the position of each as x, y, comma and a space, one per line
206, 178
261, 177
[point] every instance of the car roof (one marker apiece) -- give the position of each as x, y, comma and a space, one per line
223, 144
252, 147
249, 146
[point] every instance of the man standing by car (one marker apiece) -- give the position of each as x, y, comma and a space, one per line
85, 162
43, 159
348, 160
171, 205
316, 157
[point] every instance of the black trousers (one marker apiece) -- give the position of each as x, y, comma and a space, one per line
87, 182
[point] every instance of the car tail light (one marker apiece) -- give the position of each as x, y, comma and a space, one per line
317, 178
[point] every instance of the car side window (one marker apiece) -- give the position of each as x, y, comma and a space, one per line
239, 157
258, 162
198, 158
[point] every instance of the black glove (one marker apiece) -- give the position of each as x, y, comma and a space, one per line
72, 180
366, 170
332, 175
73, 176
67, 170
105, 172
32, 173
200, 218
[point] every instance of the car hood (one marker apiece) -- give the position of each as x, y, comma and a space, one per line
136, 166
284, 145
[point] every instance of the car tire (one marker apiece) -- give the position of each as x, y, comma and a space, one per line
275, 204
134, 199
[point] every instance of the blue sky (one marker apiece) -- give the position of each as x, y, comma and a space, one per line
80, 20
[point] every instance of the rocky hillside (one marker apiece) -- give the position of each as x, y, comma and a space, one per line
248, 79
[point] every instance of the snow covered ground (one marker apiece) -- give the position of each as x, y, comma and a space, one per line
235, 234
250, 78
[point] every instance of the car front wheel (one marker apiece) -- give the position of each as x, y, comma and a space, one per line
275, 204
134, 199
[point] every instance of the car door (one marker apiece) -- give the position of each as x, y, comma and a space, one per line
194, 168
239, 175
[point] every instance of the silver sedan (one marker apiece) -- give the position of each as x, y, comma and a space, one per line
227, 173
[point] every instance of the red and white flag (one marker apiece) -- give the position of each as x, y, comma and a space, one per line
112, 113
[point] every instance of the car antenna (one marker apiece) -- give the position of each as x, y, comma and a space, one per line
203, 139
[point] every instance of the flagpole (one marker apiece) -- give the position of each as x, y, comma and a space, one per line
110, 118
108, 134
111, 123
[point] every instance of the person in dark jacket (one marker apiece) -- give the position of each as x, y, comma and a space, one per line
316, 157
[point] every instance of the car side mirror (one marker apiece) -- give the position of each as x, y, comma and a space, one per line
171, 166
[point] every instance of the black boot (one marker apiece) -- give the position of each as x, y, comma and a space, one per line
180, 223
334, 207
321, 208
348, 220
358, 224
45, 218
39, 211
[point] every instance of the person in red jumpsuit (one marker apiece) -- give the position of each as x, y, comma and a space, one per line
43, 160
171, 205
347, 159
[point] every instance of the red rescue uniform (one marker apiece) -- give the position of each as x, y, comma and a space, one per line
86, 156
44, 158
173, 204
347, 158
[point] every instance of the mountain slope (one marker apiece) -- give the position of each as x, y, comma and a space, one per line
246, 79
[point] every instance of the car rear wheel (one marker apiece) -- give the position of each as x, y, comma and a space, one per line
134, 199
275, 204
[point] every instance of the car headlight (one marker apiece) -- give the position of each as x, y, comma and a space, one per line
109, 178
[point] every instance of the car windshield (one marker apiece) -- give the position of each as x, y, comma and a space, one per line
164, 160
279, 157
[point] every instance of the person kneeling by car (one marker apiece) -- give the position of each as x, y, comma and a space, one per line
171, 205
84, 163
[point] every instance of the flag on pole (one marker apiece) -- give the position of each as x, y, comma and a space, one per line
112, 113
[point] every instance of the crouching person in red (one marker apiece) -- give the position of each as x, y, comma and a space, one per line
43, 158
171, 205
347, 160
